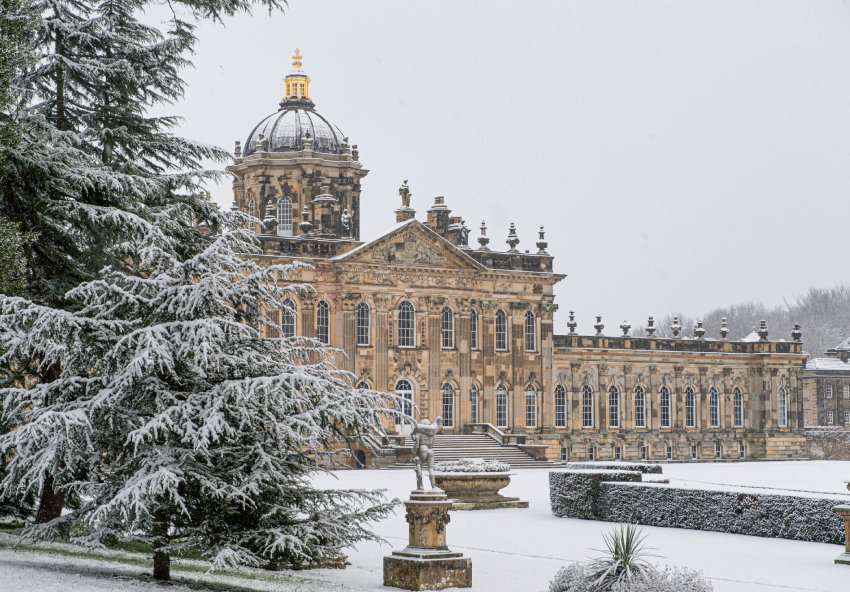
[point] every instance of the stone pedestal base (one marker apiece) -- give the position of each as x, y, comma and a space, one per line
427, 571
427, 563
843, 559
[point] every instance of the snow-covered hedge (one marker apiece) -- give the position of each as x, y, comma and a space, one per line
597, 495
615, 466
578, 578
573, 493
756, 514
471, 465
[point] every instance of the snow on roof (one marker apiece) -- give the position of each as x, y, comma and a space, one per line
844, 345
827, 364
751, 337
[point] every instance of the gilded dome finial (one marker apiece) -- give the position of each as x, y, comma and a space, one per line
296, 59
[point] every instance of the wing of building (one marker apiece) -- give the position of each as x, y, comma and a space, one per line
826, 387
466, 332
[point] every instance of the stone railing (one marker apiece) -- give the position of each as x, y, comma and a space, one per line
495, 433
678, 344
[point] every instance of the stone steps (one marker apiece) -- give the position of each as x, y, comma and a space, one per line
454, 447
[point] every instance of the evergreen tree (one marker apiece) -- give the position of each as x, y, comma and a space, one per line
198, 434
82, 163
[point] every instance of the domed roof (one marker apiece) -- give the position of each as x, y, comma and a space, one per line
286, 130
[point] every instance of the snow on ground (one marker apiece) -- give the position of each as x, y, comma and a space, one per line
516, 549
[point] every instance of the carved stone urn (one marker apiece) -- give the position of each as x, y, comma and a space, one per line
477, 491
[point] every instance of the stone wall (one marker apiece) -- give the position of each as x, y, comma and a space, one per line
825, 443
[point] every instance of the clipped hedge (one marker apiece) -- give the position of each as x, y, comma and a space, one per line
602, 495
645, 468
572, 493
756, 514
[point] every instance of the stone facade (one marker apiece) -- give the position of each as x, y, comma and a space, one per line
826, 388
467, 333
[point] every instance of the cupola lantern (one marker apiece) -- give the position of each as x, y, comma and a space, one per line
297, 81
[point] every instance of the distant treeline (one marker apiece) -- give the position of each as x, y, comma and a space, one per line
823, 314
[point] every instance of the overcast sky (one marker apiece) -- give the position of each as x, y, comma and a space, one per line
681, 155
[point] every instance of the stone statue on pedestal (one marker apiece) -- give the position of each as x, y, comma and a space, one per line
427, 563
423, 450
404, 192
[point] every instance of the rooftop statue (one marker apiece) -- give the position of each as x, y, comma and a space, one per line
423, 450
404, 192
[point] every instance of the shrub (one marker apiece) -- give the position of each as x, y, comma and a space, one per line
624, 559
578, 578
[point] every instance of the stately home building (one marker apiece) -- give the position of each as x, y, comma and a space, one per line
826, 388
465, 331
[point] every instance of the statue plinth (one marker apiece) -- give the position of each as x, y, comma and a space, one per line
427, 563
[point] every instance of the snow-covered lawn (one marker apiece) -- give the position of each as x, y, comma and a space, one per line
519, 549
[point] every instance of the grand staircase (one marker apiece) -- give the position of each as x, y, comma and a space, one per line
453, 447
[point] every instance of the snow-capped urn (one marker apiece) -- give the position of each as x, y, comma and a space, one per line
472, 465
625, 327
599, 325
675, 327
797, 333
650, 326
762, 330
699, 330
571, 324
724, 329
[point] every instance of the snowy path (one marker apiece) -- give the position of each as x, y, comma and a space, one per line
511, 550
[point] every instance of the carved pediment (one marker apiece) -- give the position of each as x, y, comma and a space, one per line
412, 245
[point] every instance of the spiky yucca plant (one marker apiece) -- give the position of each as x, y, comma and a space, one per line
624, 559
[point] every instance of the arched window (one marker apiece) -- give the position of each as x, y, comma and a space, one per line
714, 407
690, 408
287, 324
406, 325
473, 404
448, 405
323, 322
364, 323
501, 331
738, 408
560, 406
613, 407
473, 329
530, 407
252, 211
783, 407
404, 389
501, 406
284, 216
665, 407
448, 328
640, 407
587, 407
363, 386
530, 332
